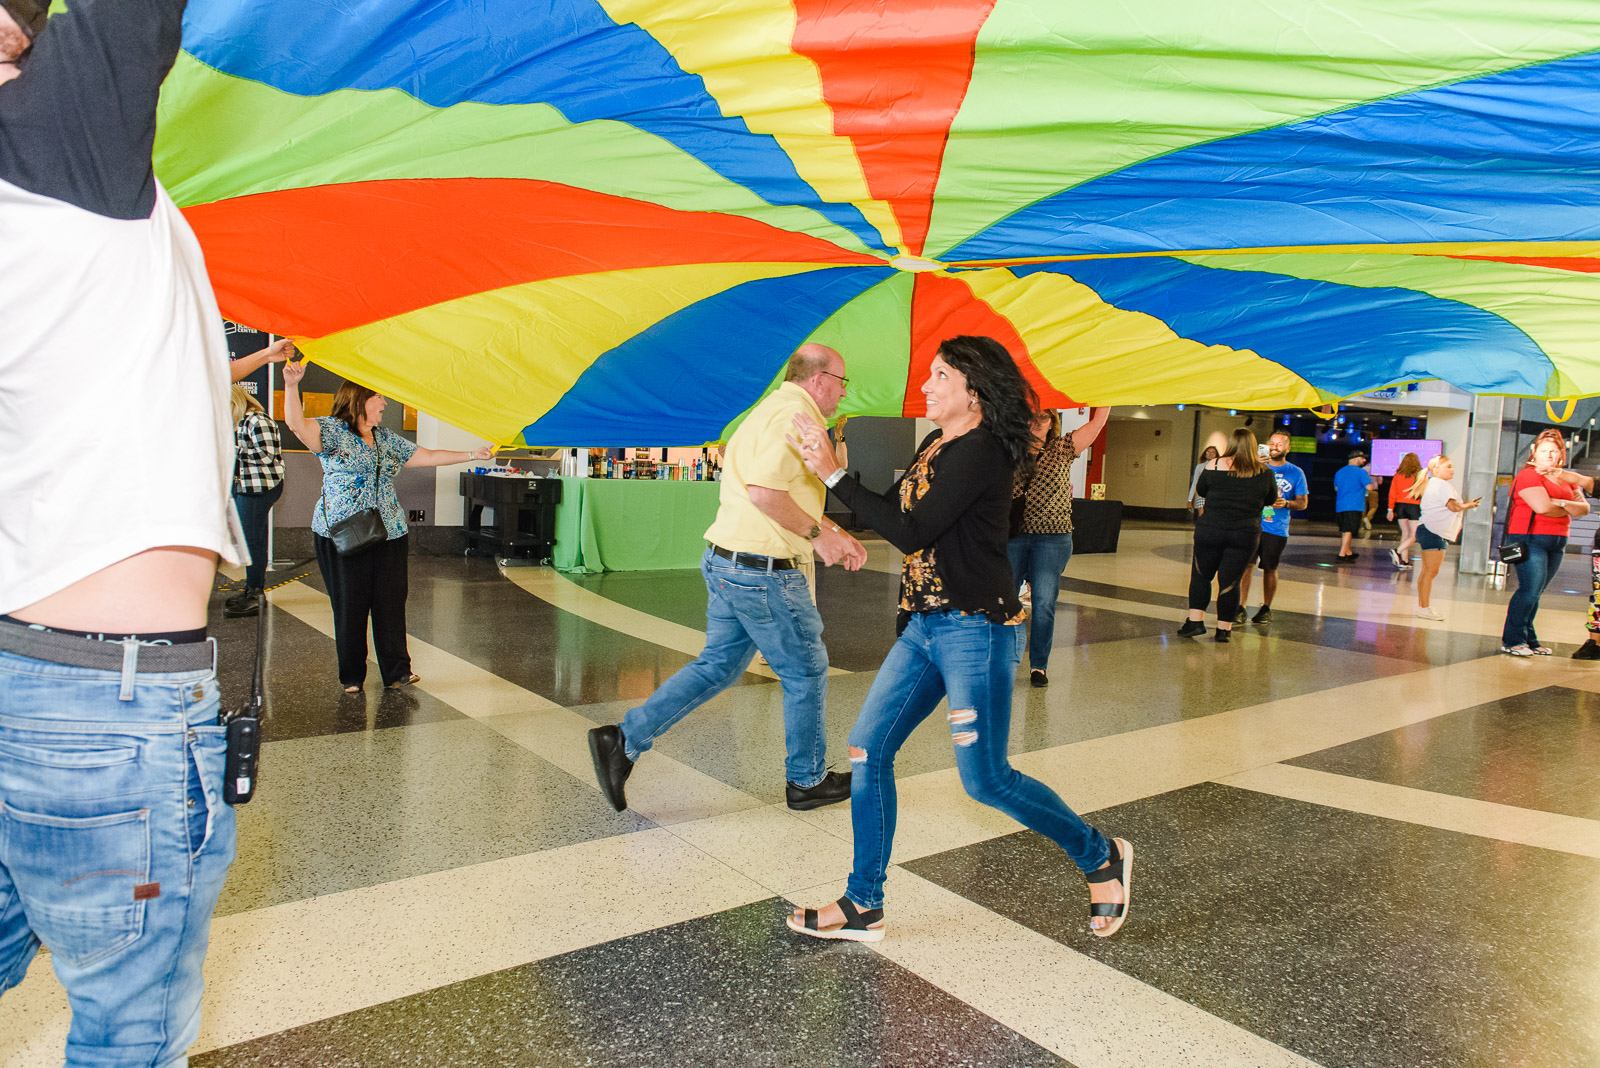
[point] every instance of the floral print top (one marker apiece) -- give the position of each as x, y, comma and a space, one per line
356, 477
921, 589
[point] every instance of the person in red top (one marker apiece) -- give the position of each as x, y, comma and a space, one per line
1403, 510
1543, 503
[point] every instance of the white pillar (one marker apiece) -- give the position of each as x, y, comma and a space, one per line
1478, 472
434, 434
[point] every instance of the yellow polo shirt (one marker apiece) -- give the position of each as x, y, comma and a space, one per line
759, 454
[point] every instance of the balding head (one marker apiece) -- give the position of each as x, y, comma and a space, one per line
819, 371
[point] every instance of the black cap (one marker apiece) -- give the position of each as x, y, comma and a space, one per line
31, 15
1356, 454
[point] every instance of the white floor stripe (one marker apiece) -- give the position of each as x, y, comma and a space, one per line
1466, 815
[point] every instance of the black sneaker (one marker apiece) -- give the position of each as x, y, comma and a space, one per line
611, 764
1239, 616
1263, 615
1038, 678
1589, 650
1192, 627
1224, 635
834, 787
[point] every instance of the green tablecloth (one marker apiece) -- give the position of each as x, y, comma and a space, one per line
605, 524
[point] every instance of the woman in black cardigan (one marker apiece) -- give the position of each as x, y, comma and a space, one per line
960, 633
1228, 531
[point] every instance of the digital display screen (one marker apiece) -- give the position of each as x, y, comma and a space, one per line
1388, 452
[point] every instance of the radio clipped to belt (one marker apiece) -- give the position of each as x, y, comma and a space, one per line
244, 730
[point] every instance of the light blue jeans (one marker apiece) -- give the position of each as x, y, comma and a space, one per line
114, 843
974, 663
747, 609
1038, 560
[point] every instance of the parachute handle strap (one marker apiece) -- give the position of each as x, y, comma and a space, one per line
1549, 409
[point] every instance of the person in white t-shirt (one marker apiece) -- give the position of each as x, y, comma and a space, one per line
1440, 524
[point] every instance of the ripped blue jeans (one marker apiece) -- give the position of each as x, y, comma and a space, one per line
973, 662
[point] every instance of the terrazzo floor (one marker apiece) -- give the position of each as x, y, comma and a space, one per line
1362, 840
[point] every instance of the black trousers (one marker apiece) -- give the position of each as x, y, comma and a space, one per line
373, 583
1221, 554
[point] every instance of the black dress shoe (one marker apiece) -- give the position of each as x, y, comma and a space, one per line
611, 764
1587, 651
1038, 678
834, 787
1192, 627
247, 603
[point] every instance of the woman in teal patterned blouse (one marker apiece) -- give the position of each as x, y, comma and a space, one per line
360, 460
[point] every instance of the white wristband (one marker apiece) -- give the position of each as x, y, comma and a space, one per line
833, 479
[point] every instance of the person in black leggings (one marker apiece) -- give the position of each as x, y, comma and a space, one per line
1226, 533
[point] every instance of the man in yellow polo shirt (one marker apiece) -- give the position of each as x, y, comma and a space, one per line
757, 571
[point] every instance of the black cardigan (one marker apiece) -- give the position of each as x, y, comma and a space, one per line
965, 516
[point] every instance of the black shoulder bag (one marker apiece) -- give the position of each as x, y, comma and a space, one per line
1514, 552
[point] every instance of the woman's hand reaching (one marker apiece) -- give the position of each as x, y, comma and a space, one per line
293, 372
811, 442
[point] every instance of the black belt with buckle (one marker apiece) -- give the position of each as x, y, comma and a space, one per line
760, 563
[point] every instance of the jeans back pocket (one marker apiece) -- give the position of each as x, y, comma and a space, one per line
78, 877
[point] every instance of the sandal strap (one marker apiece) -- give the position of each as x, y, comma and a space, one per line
1112, 872
811, 919
1107, 909
855, 919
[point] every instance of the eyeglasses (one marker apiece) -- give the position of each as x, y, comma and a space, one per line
843, 381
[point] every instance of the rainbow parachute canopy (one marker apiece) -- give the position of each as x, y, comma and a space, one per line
592, 222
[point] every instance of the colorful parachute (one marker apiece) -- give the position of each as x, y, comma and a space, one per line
588, 222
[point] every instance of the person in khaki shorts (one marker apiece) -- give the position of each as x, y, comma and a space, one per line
758, 570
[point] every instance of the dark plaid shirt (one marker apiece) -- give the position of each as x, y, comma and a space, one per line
260, 466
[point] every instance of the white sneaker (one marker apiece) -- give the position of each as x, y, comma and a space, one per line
1516, 650
1424, 612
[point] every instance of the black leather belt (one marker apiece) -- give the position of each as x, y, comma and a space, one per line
760, 563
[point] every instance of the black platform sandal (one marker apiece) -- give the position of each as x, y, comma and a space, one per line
1120, 870
858, 926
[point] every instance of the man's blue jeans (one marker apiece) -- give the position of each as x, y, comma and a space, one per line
1534, 573
114, 843
748, 609
974, 663
1038, 560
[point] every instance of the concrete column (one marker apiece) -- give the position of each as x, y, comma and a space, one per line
434, 434
1479, 471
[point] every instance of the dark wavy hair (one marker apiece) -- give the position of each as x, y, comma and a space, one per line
1009, 402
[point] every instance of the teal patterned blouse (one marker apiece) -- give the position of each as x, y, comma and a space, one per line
356, 477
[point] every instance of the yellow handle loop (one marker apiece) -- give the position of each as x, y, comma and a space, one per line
1572, 406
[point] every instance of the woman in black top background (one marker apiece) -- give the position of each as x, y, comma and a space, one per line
960, 633
1227, 532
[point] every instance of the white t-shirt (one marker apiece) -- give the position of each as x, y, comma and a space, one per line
114, 434
1436, 516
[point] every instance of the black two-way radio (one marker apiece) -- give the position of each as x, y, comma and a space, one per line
244, 729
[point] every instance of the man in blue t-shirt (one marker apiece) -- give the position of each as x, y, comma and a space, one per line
1350, 501
1293, 496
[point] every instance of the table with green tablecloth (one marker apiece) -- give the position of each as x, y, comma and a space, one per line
614, 524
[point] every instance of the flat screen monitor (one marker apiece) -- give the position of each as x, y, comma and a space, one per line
1388, 452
